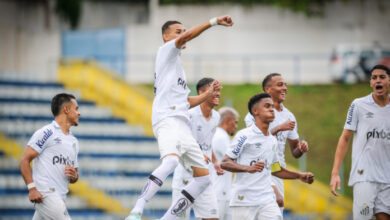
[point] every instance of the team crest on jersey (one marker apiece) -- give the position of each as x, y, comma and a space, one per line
57, 140
369, 115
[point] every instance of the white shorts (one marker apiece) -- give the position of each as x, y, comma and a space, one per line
205, 205
269, 211
370, 198
174, 136
52, 207
224, 210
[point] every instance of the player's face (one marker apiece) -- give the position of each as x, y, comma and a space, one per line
380, 82
72, 112
264, 110
232, 125
277, 89
173, 32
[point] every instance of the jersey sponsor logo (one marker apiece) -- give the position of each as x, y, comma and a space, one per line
378, 134
46, 135
62, 160
365, 210
350, 114
258, 160
181, 82
240, 143
180, 206
205, 147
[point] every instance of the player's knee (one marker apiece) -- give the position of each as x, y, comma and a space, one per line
170, 162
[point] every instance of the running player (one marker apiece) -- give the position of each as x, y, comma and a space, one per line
284, 127
368, 122
53, 150
220, 144
170, 119
253, 155
204, 121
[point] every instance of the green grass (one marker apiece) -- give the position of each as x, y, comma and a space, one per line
320, 111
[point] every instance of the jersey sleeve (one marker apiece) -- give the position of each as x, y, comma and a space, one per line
275, 162
237, 146
39, 140
293, 134
220, 145
168, 52
352, 121
77, 149
249, 120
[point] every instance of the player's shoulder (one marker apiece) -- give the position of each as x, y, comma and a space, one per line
47, 129
363, 100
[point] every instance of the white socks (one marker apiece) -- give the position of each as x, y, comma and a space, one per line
155, 182
188, 195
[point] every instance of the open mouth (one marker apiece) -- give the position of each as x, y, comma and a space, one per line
378, 87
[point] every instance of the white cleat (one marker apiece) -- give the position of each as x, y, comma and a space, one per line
133, 216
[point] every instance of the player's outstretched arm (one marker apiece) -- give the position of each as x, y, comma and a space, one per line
230, 165
341, 151
284, 173
197, 30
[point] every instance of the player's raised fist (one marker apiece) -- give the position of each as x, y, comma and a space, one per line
225, 20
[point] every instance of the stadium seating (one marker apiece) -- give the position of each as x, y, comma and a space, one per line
115, 158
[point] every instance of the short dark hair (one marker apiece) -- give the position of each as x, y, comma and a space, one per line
256, 99
381, 67
268, 78
167, 24
58, 101
203, 83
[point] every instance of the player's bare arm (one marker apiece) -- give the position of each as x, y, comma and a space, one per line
341, 151
284, 173
193, 32
286, 126
298, 147
29, 154
213, 90
217, 164
230, 165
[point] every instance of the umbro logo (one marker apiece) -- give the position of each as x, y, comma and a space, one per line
258, 145
199, 128
57, 141
369, 115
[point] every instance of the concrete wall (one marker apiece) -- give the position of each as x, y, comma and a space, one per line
264, 39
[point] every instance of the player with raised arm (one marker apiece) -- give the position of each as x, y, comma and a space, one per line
284, 127
254, 158
221, 143
368, 122
53, 152
204, 121
171, 122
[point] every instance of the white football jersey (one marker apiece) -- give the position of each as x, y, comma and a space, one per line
249, 146
280, 118
220, 145
55, 151
170, 86
371, 141
203, 131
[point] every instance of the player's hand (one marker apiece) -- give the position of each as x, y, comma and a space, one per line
287, 126
218, 169
225, 21
335, 184
35, 196
307, 177
257, 167
303, 146
206, 158
279, 197
71, 173
214, 89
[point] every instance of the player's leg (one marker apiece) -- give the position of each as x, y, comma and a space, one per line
364, 194
278, 188
167, 133
192, 157
382, 203
224, 210
176, 193
206, 206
